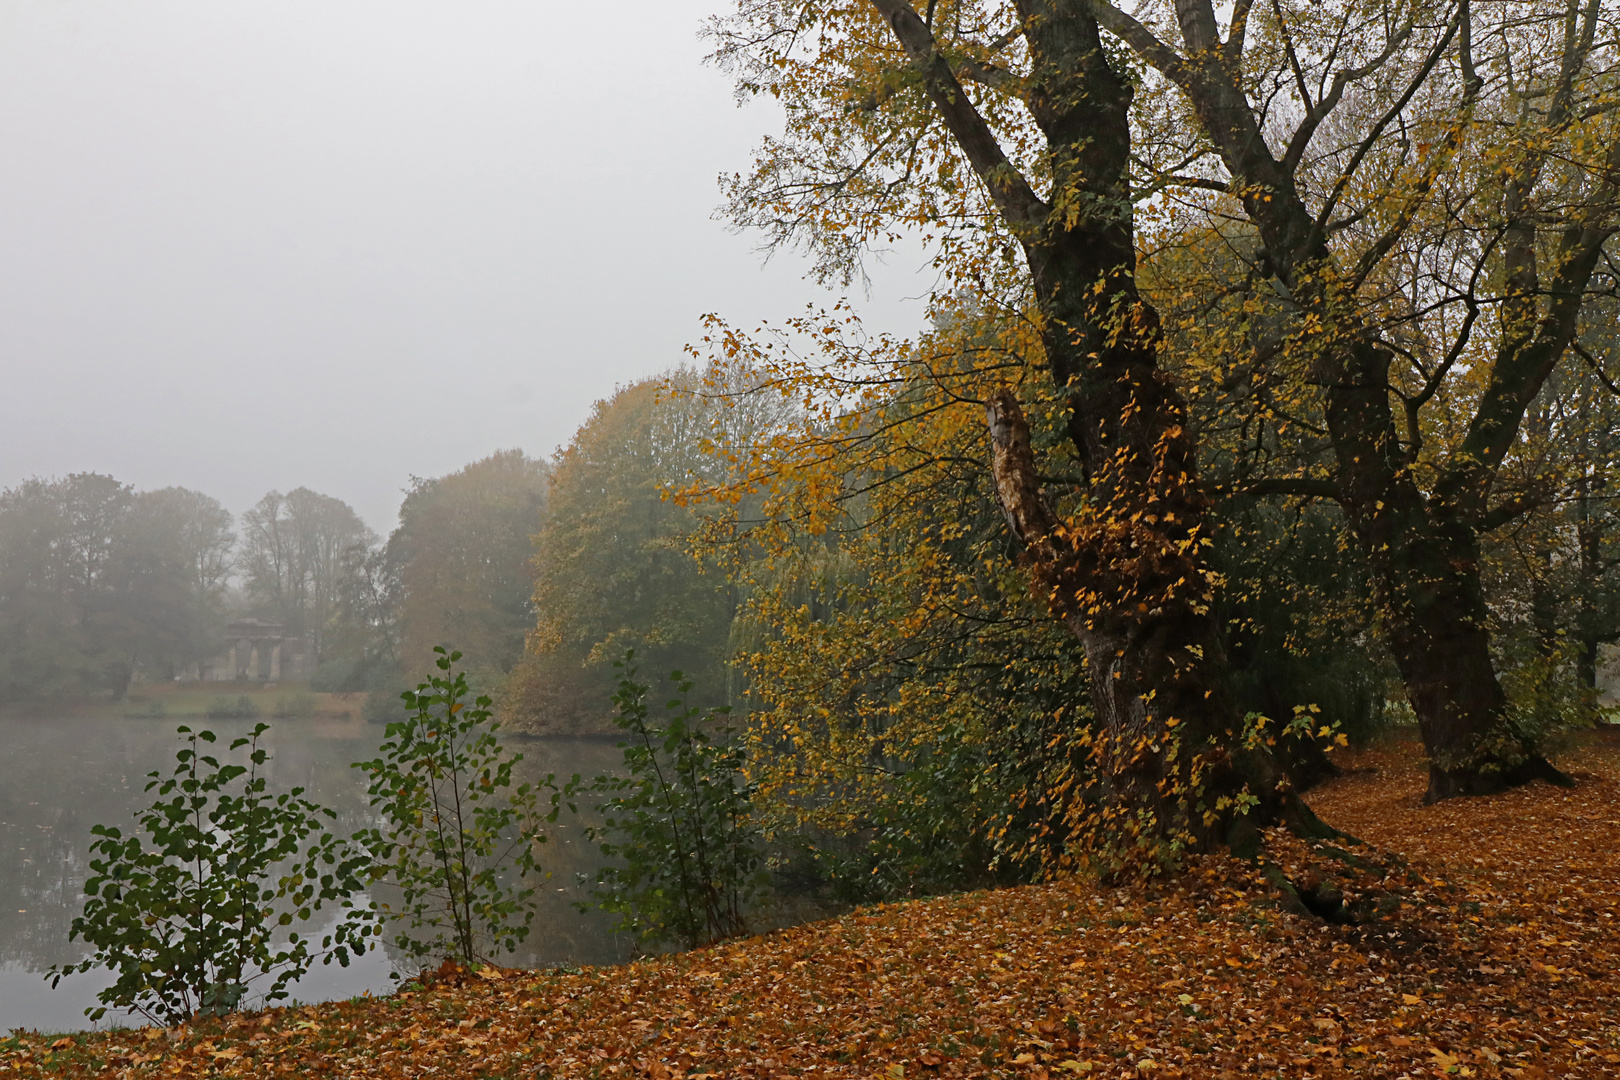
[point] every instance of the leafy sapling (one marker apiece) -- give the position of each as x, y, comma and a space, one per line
686, 858
185, 911
458, 839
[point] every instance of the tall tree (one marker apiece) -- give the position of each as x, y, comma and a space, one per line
1550, 575
1466, 155
57, 541
268, 559
169, 571
98, 582
1432, 188
465, 549
613, 565
298, 554
883, 133
911, 703
363, 640
199, 533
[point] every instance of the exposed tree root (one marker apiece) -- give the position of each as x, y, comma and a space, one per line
1314, 878
1458, 783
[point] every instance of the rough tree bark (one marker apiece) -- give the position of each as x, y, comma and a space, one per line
1423, 548
1125, 571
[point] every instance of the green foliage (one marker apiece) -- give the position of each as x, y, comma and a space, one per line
363, 639
614, 561
688, 856
1297, 610
465, 558
300, 555
186, 918
928, 834
223, 708
455, 829
383, 707
1545, 701
98, 581
912, 702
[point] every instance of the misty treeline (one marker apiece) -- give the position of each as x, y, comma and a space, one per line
100, 583
545, 573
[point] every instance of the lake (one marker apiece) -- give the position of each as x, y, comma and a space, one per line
63, 776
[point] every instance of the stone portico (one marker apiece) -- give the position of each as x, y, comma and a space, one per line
258, 650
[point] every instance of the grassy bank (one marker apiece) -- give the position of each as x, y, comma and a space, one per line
202, 700
1499, 962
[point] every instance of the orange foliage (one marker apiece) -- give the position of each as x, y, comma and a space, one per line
1500, 963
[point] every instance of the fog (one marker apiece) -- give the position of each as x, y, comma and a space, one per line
255, 244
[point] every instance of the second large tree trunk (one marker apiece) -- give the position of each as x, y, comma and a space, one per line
1425, 561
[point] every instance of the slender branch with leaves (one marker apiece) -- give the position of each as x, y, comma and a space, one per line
456, 830
687, 858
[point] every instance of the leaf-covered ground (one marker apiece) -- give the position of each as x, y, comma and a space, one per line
1500, 962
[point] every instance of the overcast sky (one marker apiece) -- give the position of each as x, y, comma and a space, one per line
255, 244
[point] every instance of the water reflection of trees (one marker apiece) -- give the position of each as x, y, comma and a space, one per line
560, 934
66, 775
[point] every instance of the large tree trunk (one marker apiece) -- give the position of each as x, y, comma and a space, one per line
1171, 747
1173, 762
1425, 564
1423, 550
1437, 631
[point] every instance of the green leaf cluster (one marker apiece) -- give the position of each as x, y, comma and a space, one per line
688, 859
185, 911
456, 831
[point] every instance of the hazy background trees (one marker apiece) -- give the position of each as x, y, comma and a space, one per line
298, 550
613, 563
465, 545
457, 571
98, 581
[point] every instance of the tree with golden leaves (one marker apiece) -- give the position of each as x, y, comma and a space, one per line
883, 135
1419, 196
1431, 193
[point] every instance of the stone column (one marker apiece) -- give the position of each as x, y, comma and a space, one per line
253, 661
232, 668
275, 661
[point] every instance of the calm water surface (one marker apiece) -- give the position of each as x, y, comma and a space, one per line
61, 776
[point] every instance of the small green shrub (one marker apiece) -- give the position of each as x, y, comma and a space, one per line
687, 856
295, 706
455, 828
184, 917
223, 708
